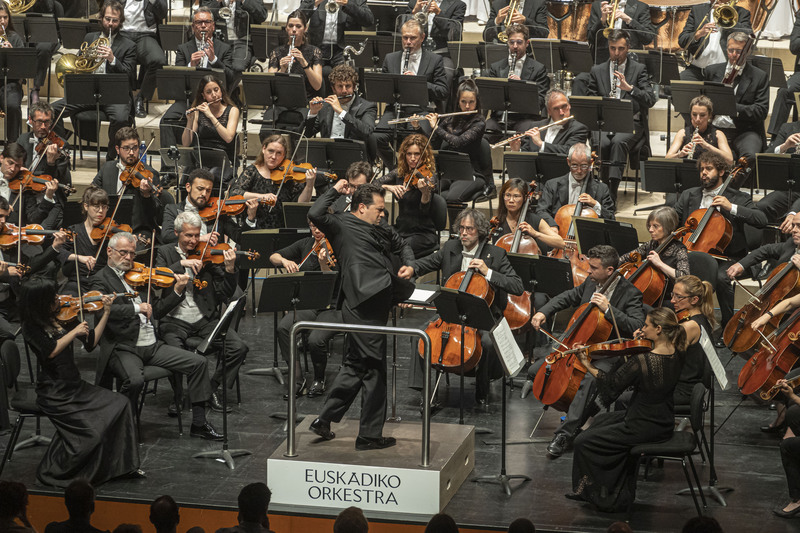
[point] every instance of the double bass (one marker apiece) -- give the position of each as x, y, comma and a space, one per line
776, 356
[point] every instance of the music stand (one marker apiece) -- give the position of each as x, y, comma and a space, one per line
182, 157
73, 31
493, 52
671, 176
662, 68
335, 155
499, 94
521, 165
684, 91
386, 14
96, 90
41, 28
465, 54
603, 114
220, 333
124, 213
180, 83
453, 166
265, 37
172, 35
295, 214
16, 64
265, 89
778, 172
313, 151
773, 66
593, 231
559, 54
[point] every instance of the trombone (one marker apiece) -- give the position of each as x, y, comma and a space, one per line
725, 16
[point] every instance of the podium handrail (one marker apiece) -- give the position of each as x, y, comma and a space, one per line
291, 443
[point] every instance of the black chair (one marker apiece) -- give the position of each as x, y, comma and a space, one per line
680, 447
640, 152
704, 267
151, 375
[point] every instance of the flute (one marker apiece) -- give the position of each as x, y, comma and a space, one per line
521, 135
418, 117
193, 109
321, 100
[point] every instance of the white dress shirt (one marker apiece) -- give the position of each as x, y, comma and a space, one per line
147, 333
575, 192
712, 53
708, 197
134, 17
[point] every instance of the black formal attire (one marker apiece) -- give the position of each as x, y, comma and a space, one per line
145, 210
570, 133
532, 70
556, 193
83, 246
465, 134
674, 255
640, 29
533, 219
175, 330
251, 180
228, 226
209, 138
687, 41
11, 95
96, 435
246, 527
784, 100
689, 200
603, 470
353, 16
72, 526
776, 204
535, 12
415, 220
236, 32
446, 25
358, 119
369, 290
60, 171
790, 452
502, 278
747, 137
616, 147
73, 9
149, 53
120, 353
119, 115
784, 132
710, 136
776, 253
696, 368
432, 67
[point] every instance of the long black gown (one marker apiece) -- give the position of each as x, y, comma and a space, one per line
696, 367
95, 433
602, 470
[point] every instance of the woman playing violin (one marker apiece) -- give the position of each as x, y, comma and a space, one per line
701, 136
415, 221
693, 301
214, 120
256, 184
513, 194
94, 206
601, 467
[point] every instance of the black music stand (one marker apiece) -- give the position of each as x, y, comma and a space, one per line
453, 166
265, 89
96, 90
670, 176
386, 14
662, 68
773, 66
266, 242
180, 83
493, 52
182, 157
684, 91
778, 172
172, 35
559, 54
265, 37
590, 232
603, 114
220, 333
16, 64
466, 310
335, 155
499, 94
73, 31
295, 214
465, 54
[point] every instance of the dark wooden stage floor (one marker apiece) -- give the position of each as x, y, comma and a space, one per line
747, 460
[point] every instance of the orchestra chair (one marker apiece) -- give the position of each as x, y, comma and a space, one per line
680, 447
704, 267
640, 152
151, 375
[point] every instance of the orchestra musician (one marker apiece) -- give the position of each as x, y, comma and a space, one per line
530, 13
632, 16
735, 205
56, 162
707, 137
790, 452
784, 100
566, 189
775, 204
235, 29
120, 57
695, 299
370, 287
44, 49
559, 138
513, 194
745, 133
90, 259
38, 208
623, 300
358, 173
518, 66
13, 90
445, 21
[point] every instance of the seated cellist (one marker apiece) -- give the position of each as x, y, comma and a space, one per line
622, 299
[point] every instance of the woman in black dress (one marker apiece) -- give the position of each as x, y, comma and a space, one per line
95, 433
94, 206
602, 469
701, 135
513, 194
790, 450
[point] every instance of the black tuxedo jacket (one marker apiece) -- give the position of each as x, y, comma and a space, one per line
625, 303
59, 171
223, 51
535, 12
145, 210
794, 43
696, 15
781, 252
362, 251
556, 194
573, 132
247, 12
124, 54
353, 16
154, 13
746, 213
430, 65
641, 93
752, 95
504, 279
784, 132
641, 28
37, 211
447, 24
532, 70
359, 121
220, 288
228, 225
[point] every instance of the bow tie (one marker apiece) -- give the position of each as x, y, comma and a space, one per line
467, 254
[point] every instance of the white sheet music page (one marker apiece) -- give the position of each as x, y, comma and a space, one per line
507, 348
713, 359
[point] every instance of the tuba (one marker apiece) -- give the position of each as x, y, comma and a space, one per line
17, 7
85, 62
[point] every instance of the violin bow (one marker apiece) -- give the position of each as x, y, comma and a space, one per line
19, 236
427, 143
219, 207
150, 277
108, 226
78, 277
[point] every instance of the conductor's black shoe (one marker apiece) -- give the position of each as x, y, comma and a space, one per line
205, 431
317, 388
374, 443
139, 111
322, 428
573, 496
215, 402
558, 445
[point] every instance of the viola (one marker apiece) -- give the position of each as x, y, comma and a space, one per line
69, 306
234, 205
108, 227
31, 234
27, 181
214, 254
161, 277
330, 258
51, 138
773, 359
423, 172
782, 283
288, 171
683, 316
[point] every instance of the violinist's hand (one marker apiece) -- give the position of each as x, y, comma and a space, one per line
181, 280
760, 322
229, 257
405, 272
252, 208
146, 188
600, 301
52, 154
146, 309
638, 334
397, 190
87, 260
311, 175
315, 105
59, 238
50, 188
787, 224
654, 258
735, 270
289, 266
211, 238
537, 320
194, 264
722, 202
586, 199
479, 265
14, 272
81, 330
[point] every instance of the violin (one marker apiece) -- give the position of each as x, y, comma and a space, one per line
69, 306
161, 277
288, 171
775, 356
99, 232
329, 259
134, 174
613, 348
52, 138
234, 205
27, 181
31, 234
420, 173
215, 254
683, 316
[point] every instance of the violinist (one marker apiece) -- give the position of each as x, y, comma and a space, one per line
458, 255
308, 255
13, 91
577, 186
416, 210
701, 135
256, 183
94, 207
56, 161
513, 194
790, 451
622, 299
736, 206
130, 339
146, 203
358, 173
197, 313
557, 138
602, 465
38, 207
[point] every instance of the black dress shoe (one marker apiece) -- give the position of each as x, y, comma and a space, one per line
787, 514
719, 343
139, 108
301, 390
322, 428
558, 445
172, 410
374, 443
135, 474
317, 388
215, 402
206, 431
573, 496
773, 429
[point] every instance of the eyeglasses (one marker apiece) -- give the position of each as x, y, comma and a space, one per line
468, 229
512, 196
111, 20
132, 148
516, 42
579, 167
124, 253
678, 297
203, 22
42, 122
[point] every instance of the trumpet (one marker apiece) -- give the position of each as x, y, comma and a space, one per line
225, 12
502, 36
690, 155
421, 16
195, 108
291, 57
521, 135
612, 19
418, 117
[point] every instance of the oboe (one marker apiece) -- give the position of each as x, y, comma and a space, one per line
291, 57
512, 64
694, 145
407, 60
614, 79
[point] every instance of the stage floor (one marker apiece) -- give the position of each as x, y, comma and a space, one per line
747, 459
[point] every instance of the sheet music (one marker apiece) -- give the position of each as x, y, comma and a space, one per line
510, 354
421, 296
713, 359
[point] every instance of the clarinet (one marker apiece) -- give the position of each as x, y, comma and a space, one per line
291, 57
512, 64
407, 60
694, 146
614, 80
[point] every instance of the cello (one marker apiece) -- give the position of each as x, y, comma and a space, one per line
776, 356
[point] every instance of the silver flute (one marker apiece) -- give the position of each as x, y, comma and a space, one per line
291, 57
694, 145
614, 80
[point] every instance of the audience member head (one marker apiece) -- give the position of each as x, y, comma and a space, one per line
164, 514
128, 528
521, 525
13, 500
702, 524
619, 527
254, 503
79, 499
351, 520
441, 523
